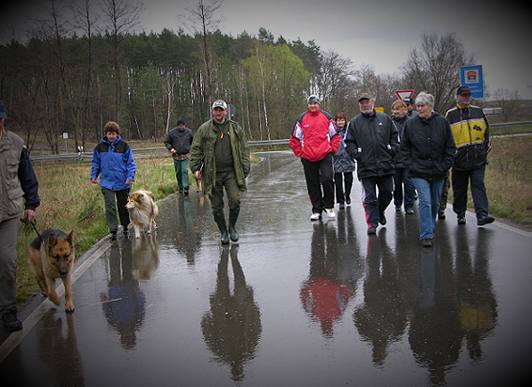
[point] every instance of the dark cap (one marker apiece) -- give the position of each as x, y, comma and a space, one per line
313, 99
363, 96
181, 121
3, 113
463, 90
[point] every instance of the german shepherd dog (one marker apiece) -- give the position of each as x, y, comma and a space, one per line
142, 211
52, 256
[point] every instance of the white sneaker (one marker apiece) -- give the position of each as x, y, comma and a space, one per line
330, 213
315, 216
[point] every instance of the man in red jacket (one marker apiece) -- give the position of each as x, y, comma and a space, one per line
315, 140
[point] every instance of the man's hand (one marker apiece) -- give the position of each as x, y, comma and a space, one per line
129, 182
173, 151
94, 181
197, 174
29, 215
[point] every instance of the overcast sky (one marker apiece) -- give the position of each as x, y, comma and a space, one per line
376, 33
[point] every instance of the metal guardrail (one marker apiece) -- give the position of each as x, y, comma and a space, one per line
162, 151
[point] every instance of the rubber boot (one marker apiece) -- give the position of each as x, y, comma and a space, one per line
233, 216
219, 218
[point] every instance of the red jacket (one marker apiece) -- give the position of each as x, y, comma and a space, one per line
314, 136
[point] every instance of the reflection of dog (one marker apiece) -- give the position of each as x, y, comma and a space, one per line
145, 254
52, 257
142, 211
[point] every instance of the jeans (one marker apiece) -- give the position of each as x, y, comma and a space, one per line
181, 172
460, 182
429, 192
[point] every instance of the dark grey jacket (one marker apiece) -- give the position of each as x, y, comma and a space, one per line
399, 124
372, 141
180, 140
343, 163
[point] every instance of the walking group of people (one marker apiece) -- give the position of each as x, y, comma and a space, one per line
396, 157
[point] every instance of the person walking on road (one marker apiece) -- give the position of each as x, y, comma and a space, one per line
344, 165
220, 156
315, 140
403, 190
428, 150
178, 141
372, 141
471, 134
113, 161
19, 192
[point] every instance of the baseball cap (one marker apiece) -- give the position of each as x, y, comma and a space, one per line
313, 99
363, 96
3, 113
219, 103
463, 90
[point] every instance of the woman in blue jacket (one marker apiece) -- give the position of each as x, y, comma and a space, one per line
114, 162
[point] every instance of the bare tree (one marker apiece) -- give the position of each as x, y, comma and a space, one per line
435, 67
333, 78
509, 102
203, 21
122, 16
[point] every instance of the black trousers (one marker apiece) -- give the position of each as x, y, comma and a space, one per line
460, 181
444, 193
319, 174
112, 199
401, 179
374, 205
343, 182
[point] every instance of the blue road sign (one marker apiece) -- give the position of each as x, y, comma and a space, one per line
471, 76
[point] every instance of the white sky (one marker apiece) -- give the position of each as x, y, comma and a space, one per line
379, 33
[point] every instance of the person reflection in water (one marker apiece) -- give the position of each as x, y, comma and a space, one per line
381, 320
331, 283
435, 336
124, 303
476, 298
232, 328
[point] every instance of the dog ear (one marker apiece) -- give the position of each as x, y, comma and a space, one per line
150, 194
69, 237
52, 240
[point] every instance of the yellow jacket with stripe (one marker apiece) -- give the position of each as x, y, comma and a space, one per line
471, 135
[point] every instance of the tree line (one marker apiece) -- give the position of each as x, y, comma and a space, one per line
74, 76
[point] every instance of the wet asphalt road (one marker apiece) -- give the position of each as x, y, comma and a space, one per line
295, 304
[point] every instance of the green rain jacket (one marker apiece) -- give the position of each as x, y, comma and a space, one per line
202, 154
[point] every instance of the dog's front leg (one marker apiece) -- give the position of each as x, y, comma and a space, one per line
69, 303
137, 231
52, 295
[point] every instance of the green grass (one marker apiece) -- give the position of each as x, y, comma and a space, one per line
511, 130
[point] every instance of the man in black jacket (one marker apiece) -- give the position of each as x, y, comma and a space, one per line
471, 135
178, 142
427, 148
372, 141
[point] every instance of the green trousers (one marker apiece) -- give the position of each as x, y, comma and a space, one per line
227, 180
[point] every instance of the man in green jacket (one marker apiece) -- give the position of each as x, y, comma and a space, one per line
220, 157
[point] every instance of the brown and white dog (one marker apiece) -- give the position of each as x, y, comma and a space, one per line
142, 211
52, 256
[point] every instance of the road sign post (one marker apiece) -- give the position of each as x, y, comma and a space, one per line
472, 77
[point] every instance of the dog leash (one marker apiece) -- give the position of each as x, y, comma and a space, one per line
33, 226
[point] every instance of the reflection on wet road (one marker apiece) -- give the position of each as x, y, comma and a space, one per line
295, 304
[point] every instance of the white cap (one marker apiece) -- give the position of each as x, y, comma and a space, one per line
219, 103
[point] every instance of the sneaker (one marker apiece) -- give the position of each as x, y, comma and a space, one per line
341, 206
485, 220
11, 321
372, 230
427, 242
348, 202
461, 220
315, 216
382, 219
126, 234
410, 211
441, 215
330, 213
112, 237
